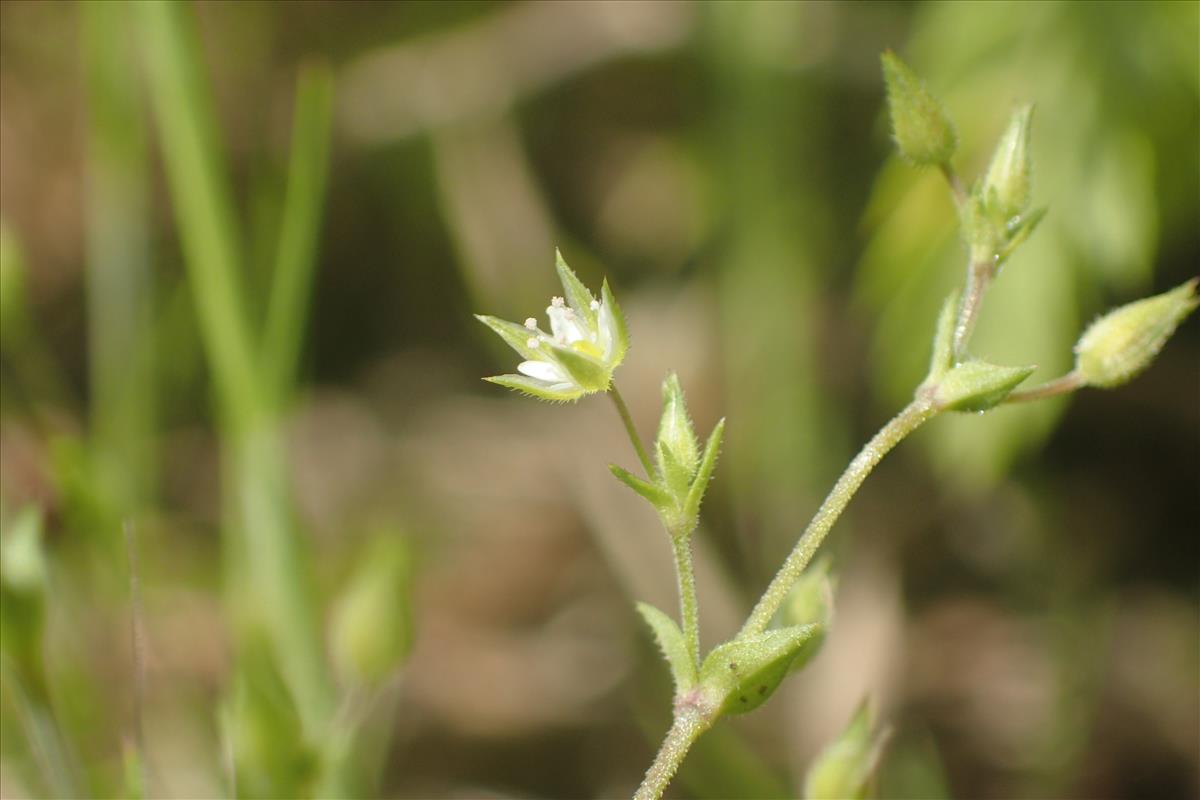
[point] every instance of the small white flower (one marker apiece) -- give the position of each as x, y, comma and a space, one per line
587, 341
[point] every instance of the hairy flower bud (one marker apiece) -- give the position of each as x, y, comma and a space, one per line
923, 131
1123, 342
1007, 183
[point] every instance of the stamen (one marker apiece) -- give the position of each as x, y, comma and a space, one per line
531, 323
595, 305
557, 302
532, 342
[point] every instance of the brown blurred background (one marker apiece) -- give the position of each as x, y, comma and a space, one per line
1017, 591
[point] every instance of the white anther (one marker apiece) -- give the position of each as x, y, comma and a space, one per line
594, 305
557, 302
532, 342
531, 323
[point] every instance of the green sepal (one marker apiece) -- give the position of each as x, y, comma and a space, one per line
591, 375
657, 496
977, 385
942, 358
514, 335
611, 319
676, 432
743, 673
536, 388
708, 462
1019, 229
577, 295
674, 648
675, 476
843, 770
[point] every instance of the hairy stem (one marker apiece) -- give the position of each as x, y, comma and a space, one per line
1064, 385
891, 434
623, 410
689, 610
979, 275
689, 723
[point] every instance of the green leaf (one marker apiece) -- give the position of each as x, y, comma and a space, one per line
659, 498
943, 338
515, 336
745, 672
977, 385
577, 295
923, 131
674, 648
695, 495
536, 388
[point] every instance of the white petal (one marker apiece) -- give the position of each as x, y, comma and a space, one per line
542, 370
566, 327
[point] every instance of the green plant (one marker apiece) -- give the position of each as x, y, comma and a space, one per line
784, 628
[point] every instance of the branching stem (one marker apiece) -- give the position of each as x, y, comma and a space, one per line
690, 722
689, 610
979, 275
904, 423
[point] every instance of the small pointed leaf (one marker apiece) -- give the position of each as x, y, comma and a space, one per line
655, 494
745, 672
943, 338
977, 385
589, 373
674, 648
516, 336
1020, 229
844, 768
612, 325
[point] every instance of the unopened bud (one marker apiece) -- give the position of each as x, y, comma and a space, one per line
844, 768
923, 131
372, 622
1123, 342
677, 448
1007, 184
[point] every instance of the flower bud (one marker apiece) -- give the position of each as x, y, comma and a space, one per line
1123, 342
1006, 186
372, 623
844, 768
923, 131
677, 448
976, 385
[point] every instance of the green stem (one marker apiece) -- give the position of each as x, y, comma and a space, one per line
623, 410
689, 610
956, 184
689, 723
904, 423
1064, 385
979, 275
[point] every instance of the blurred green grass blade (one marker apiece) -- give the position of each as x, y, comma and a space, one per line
300, 229
119, 290
203, 206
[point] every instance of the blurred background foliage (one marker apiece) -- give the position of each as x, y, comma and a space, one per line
266, 533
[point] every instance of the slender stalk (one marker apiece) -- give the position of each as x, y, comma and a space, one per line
1064, 385
956, 184
900, 426
979, 275
623, 410
689, 610
689, 723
